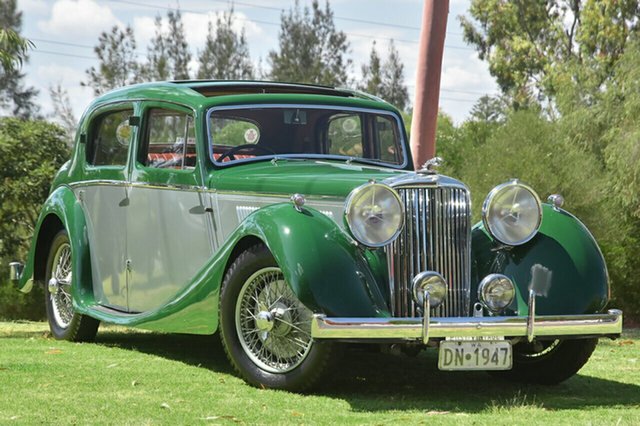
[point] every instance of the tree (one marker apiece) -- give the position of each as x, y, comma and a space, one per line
225, 54
537, 48
311, 50
372, 74
385, 80
393, 88
14, 96
26, 170
118, 66
63, 111
168, 54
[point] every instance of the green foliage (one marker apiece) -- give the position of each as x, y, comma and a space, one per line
168, 53
13, 53
385, 80
311, 50
116, 51
226, 53
537, 48
30, 154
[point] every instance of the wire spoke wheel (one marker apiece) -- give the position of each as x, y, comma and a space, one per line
60, 286
273, 326
64, 322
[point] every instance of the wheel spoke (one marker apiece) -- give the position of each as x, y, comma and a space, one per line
283, 342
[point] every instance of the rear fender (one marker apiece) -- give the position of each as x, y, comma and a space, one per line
61, 210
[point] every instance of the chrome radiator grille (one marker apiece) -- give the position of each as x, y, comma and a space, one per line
436, 237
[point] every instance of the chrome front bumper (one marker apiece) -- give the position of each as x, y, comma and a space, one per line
412, 329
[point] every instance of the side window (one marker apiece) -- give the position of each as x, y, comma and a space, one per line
110, 139
345, 135
169, 141
386, 129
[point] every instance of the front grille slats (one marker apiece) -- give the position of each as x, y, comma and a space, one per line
436, 237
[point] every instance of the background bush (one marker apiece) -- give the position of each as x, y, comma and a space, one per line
31, 151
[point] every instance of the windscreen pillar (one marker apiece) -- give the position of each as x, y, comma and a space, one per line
425, 107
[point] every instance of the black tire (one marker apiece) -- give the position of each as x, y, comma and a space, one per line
246, 343
64, 322
548, 362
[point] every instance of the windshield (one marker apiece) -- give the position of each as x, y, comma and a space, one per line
261, 132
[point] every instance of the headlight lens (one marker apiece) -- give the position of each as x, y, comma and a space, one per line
374, 214
512, 213
496, 292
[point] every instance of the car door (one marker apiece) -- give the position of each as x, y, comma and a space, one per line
169, 230
104, 197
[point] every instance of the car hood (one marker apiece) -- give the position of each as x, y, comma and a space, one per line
308, 177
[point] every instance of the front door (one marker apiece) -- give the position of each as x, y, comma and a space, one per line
169, 235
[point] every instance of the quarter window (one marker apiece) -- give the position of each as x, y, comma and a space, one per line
170, 141
111, 137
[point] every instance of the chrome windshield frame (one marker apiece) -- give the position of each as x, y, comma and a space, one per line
401, 133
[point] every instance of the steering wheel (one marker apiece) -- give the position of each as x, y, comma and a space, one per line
248, 146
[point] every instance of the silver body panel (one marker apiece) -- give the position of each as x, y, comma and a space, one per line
167, 243
147, 242
105, 207
233, 208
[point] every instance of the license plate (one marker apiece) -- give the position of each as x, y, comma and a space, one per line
474, 355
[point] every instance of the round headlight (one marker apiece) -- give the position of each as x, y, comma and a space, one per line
512, 213
374, 214
432, 283
496, 292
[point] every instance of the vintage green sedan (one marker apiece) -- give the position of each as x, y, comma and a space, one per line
288, 218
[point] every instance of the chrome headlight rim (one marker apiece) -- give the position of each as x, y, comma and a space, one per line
491, 196
354, 194
489, 280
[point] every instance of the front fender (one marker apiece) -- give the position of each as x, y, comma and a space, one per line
61, 210
324, 266
579, 281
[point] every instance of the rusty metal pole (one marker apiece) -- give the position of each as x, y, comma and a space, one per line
425, 107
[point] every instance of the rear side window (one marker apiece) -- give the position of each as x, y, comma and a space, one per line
110, 139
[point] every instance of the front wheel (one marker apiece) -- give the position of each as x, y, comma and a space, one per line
64, 322
265, 329
548, 362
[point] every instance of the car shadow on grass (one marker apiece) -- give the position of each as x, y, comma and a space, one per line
200, 351
372, 381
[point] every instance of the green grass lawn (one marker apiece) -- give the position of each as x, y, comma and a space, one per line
133, 377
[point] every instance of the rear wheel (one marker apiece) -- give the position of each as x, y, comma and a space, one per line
265, 329
548, 362
64, 322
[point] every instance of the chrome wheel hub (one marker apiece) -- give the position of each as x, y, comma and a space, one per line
53, 286
273, 326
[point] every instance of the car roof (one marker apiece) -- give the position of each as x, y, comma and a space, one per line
208, 92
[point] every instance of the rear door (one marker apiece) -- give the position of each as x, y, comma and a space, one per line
104, 197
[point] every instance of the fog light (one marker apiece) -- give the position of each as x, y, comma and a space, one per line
432, 283
496, 292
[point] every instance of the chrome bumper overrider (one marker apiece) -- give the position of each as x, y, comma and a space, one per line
609, 324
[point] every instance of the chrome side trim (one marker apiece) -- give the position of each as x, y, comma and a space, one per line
174, 187
322, 327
